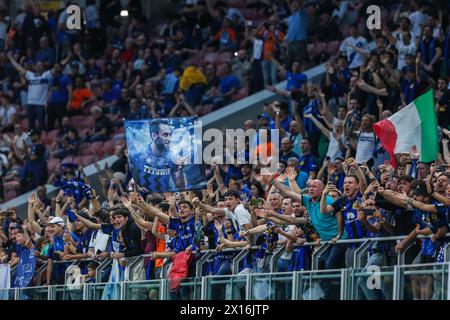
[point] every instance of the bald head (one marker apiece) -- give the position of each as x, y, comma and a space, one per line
315, 188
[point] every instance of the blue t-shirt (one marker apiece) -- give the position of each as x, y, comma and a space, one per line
311, 108
284, 124
117, 242
325, 224
227, 83
60, 94
295, 80
297, 26
354, 229
433, 221
302, 179
308, 163
185, 232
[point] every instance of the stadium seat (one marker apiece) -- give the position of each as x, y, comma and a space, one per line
96, 149
10, 195
332, 48
210, 58
87, 160
68, 159
52, 165
78, 160
51, 136
108, 147
75, 121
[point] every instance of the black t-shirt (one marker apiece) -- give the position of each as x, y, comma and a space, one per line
404, 219
443, 113
120, 165
103, 122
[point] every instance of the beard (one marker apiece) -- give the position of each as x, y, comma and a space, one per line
160, 145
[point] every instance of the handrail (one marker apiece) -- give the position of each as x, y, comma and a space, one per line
243, 252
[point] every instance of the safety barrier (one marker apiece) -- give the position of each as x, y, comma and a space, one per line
394, 283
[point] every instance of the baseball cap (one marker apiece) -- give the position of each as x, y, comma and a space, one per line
57, 220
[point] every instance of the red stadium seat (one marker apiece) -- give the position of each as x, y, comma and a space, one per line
96, 148
75, 121
87, 160
10, 195
224, 57
210, 57
52, 165
78, 160
332, 47
108, 147
51, 135
68, 159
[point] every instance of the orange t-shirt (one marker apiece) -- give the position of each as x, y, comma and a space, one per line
160, 245
270, 43
78, 96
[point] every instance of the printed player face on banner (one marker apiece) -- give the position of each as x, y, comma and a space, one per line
161, 154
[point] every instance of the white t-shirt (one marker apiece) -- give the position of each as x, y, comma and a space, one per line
239, 217
257, 49
288, 229
333, 148
366, 146
403, 50
355, 58
3, 163
6, 115
38, 87
417, 18
99, 241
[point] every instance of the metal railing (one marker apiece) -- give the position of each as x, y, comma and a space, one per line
337, 284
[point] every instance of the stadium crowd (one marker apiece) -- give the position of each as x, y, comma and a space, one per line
65, 93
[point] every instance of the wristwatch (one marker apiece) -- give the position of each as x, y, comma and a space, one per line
409, 201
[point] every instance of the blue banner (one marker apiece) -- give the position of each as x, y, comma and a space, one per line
25, 268
165, 154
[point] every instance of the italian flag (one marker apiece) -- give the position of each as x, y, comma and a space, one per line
415, 124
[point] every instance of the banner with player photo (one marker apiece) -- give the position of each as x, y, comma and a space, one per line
164, 154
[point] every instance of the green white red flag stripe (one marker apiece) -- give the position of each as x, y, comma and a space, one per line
415, 124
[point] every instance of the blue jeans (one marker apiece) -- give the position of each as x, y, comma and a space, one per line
333, 257
224, 269
36, 112
284, 290
269, 71
375, 259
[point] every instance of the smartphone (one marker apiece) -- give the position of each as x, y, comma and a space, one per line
368, 212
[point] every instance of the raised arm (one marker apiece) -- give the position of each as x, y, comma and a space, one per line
324, 130
16, 65
88, 223
208, 208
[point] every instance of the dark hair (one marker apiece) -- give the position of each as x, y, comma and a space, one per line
186, 202
353, 176
156, 124
258, 186
419, 188
120, 212
164, 206
406, 179
232, 193
92, 265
